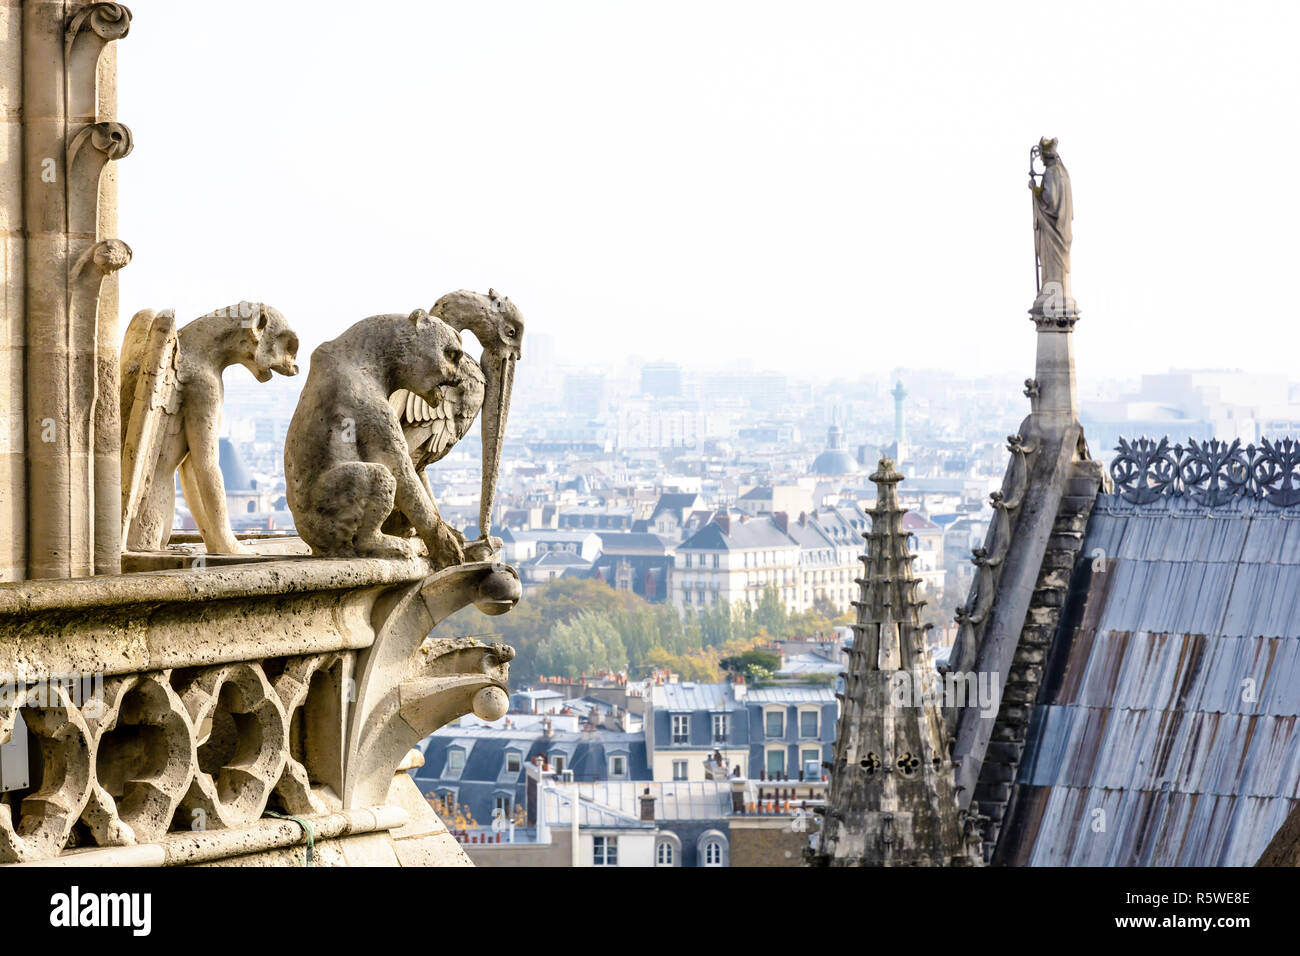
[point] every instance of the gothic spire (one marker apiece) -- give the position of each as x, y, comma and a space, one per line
892, 800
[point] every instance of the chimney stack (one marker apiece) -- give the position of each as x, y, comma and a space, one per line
647, 806
723, 521
738, 785
782, 520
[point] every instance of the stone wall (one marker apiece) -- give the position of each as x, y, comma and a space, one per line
766, 841
555, 853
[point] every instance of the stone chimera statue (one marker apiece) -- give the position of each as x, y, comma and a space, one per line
485, 385
171, 395
347, 463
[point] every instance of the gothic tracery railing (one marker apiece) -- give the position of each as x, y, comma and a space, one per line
1211, 473
207, 729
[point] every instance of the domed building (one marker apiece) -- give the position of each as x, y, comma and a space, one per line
835, 460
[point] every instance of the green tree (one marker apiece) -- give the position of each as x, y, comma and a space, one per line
584, 645
825, 607
716, 624
755, 664
771, 614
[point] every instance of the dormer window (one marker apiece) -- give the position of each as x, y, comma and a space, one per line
513, 761
681, 727
455, 760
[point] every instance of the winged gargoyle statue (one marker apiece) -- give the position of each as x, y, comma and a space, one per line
432, 429
171, 397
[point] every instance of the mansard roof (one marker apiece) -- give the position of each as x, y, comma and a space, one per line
677, 502
628, 542
743, 535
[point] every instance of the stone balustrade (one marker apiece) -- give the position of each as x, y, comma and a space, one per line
163, 705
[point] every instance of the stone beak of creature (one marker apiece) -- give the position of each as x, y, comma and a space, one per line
499, 379
499, 327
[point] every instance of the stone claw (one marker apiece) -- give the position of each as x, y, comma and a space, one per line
448, 546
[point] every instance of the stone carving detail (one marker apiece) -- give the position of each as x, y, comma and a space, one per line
240, 733
171, 400
89, 150
431, 431
212, 752
49, 813
988, 560
108, 21
88, 31
1211, 473
904, 764
410, 683
213, 746
1054, 306
307, 740
110, 140
349, 464
144, 760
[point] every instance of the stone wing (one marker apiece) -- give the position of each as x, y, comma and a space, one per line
431, 429
150, 403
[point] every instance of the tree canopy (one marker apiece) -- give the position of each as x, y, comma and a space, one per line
575, 626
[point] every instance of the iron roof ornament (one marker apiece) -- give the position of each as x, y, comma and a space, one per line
1211, 473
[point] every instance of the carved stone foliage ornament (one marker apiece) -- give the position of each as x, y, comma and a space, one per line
1211, 473
988, 560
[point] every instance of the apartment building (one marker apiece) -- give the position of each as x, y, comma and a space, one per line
735, 558
779, 732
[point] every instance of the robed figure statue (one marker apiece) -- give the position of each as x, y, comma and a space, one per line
1053, 211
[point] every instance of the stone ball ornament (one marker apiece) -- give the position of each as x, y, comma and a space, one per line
491, 703
499, 591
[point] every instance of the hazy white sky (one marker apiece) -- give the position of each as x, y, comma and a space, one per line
834, 186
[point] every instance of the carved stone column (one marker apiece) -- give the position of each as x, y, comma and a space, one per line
108, 467
1057, 403
13, 461
66, 148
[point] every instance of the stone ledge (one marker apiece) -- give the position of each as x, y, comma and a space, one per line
266, 835
288, 576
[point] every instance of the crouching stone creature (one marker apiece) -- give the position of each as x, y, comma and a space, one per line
347, 463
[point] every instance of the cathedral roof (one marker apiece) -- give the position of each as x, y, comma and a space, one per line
1168, 697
